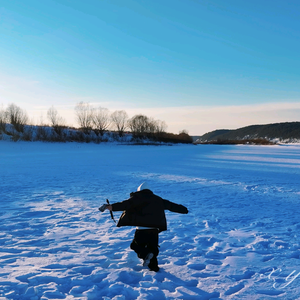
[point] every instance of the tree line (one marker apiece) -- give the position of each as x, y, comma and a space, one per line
95, 124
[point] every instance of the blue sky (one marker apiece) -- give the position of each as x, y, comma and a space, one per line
198, 65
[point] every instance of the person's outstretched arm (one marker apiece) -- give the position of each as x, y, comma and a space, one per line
120, 206
178, 208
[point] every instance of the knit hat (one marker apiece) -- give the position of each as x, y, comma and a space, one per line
143, 186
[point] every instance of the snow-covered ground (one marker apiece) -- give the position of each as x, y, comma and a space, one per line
240, 239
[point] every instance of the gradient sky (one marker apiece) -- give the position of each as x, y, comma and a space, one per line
198, 65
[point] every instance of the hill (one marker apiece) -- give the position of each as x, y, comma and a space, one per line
284, 132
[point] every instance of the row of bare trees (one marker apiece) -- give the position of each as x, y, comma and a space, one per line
88, 118
99, 119
92, 122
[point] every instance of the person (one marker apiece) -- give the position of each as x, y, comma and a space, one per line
146, 211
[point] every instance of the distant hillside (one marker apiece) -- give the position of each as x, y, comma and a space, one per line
288, 131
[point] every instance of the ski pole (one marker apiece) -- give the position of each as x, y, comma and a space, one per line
111, 214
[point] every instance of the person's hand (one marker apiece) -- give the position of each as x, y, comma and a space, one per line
109, 207
103, 207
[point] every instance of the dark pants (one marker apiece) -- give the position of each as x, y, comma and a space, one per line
146, 241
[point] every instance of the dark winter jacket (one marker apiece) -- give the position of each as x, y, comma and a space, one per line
146, 209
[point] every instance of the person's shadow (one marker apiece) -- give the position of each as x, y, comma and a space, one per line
188, 289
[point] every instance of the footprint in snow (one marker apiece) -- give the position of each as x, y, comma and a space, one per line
197, 267
180, 262
215, 255
213, 262
245, 275
234, 289
205, 275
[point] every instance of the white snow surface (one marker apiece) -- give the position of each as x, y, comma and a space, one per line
240, 239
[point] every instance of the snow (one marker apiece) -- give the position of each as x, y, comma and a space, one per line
240, 239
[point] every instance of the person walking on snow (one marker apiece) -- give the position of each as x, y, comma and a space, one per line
145, 210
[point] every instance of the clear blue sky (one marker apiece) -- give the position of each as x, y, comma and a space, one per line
198, 65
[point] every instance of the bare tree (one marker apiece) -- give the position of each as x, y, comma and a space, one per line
2, 119
17, 117
84, 114
161, 127
184, 136
139, 125
184, 131
119, 118
153, 126
56, 121
101, 120
142, 126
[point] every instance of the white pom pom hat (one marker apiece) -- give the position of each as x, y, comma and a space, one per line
143, 186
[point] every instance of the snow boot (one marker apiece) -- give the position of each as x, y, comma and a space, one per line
153, 266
